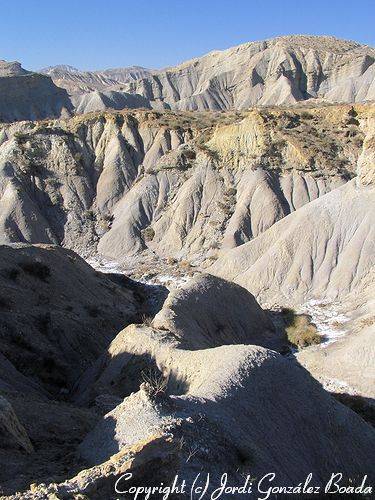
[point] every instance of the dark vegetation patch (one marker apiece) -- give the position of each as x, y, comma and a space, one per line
10, 274
148, 233
36, 269
299, 329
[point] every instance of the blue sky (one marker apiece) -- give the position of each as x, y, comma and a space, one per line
102, 34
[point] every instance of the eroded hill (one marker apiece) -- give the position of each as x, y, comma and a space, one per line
178, 184
279, 71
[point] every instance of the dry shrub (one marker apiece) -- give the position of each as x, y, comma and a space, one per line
301, 332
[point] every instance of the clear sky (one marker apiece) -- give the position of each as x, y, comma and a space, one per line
93, 34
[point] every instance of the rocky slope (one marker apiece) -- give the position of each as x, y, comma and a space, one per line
323, 251
162, 398
282, 197
76, 81
101, 375
278, 71
57, 315
180, 185
29, 96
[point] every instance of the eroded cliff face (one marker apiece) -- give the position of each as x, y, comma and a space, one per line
30, 96
178, 184
322, 251
278, 71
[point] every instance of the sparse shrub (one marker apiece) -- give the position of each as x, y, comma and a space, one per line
213, 257
215, 245
231, 192
185, 264
148, 233
189, 154
305, 116
92, 310
367, 321
214, 155
225, 208
11, 274
89, 215
20, 137
36, 269
146, 319
352, 121
119, 120
154, 383
299, 329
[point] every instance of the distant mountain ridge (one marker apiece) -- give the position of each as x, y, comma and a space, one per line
12, 68
280, 71
75, 80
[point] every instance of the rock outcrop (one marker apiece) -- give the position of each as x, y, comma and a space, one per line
57, 316
76, 81
232, 408
323, 251
226, 409
350, 361
278, 71
11, 430
180, 185
30, 96
206, 312
209, 311
100, 378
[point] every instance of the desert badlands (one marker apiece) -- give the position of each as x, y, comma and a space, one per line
187, 275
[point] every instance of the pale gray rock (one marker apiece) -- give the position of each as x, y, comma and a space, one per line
111, 179
230, 397
279, 71
209, 311
323, 250
30, 96
205, 312
110, 99
76, 81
